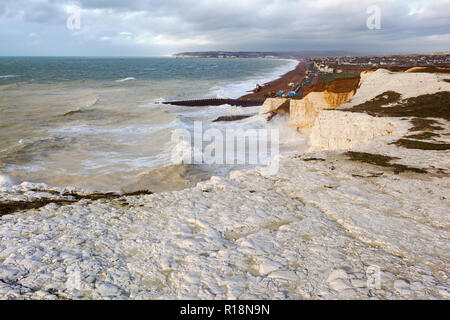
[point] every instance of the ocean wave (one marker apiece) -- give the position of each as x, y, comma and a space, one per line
182, 152
126, 79
167, 178
6, 181
28, 149
8, 76
240, 88
87, 114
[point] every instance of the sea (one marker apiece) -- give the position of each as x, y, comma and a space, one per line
99, 124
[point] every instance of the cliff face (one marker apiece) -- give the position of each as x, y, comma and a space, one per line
334, 130
365, 74
382, 107
304, 112
279, 105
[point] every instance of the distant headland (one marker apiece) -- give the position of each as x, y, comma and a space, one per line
259, 54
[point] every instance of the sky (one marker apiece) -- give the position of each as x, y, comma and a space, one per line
164, 27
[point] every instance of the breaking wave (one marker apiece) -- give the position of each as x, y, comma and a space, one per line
126, 79
5, 181
236, 89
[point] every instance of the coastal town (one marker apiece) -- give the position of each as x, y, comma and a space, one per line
321, 68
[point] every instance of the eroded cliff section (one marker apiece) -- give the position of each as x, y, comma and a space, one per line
380, 103
303, 112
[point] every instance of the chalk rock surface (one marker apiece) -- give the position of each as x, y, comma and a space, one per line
273, 104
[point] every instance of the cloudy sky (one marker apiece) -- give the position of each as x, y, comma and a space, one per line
161, 27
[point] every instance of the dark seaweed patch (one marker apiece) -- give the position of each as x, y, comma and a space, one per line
8, 207
375, 105
313, 159
423, 136
424, 125
232, 118
435, 105
382, 161
422, 145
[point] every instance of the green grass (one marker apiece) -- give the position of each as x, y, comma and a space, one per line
326, 78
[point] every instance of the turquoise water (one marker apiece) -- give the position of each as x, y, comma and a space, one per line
97, 123
62, 69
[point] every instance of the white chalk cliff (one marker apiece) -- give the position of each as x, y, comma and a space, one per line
343, 130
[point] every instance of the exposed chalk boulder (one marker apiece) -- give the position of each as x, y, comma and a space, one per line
334, 130
274, 104
5, 181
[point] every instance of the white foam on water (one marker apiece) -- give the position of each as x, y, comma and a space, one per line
240, 88
137, 124
8, 76
6, 181
126, 79
289, 138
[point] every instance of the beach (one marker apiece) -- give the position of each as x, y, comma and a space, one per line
293, 76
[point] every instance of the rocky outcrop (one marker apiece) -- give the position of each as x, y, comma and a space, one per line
334, 130
382, 107
304, 112
280, 105
363, 76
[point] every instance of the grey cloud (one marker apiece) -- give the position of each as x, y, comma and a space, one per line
159, 26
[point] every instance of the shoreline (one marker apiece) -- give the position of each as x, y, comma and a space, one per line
9, 179
280, 83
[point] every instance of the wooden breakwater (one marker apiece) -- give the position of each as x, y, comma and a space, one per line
217, 102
